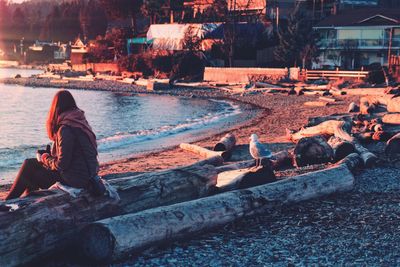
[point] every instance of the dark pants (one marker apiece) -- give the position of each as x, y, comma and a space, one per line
32, 176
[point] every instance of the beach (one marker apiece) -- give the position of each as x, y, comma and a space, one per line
358, 227
272, 118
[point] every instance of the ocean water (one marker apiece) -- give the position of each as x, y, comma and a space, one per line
125, 124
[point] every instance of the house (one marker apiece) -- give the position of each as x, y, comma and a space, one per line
358, 3
247, 8
79, 52
41, 52
171, 36
356, 38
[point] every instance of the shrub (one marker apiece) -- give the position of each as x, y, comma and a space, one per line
187, 65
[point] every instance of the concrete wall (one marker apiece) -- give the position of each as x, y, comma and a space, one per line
96, 67
242, 75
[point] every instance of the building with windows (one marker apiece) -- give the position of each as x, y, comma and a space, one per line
356, 38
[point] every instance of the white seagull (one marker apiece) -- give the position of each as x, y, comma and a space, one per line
257, 150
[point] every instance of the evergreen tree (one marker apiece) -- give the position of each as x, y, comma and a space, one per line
296, 41
154, 10
121, 9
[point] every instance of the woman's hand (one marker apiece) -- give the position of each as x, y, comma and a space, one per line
44, 156
41, 157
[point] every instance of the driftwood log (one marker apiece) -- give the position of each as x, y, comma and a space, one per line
279, 159
312, 150
340, 147
340, 129
115, 238
391, 118
204, 152
316, 104
327, 99
369, 103
393, 146
353, 161
336, 117
353, 107
43, 224
227, 143
245, 178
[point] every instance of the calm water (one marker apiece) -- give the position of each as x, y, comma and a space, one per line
125, 124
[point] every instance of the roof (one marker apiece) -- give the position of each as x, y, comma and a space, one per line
360, 2
240, 4
362, 17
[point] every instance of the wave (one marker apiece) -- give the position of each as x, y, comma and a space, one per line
123, 139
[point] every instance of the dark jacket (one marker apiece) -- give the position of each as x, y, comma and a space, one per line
74, 157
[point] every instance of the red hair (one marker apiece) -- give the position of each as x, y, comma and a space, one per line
62, 101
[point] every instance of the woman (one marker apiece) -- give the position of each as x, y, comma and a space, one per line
73, 157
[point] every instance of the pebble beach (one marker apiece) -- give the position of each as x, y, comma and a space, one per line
359, 228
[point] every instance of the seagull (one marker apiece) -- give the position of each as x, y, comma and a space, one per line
257, 150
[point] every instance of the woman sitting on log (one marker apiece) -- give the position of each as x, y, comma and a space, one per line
72, 160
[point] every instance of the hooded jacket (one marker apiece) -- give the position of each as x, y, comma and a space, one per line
74, 153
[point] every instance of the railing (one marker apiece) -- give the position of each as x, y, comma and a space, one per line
358, 43
333, 74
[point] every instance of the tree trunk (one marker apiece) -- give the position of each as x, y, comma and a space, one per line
340, 148
43, 224
118, 237
312, 150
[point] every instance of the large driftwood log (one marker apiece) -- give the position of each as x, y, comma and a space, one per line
204, 152
340, 129
391, 118
43, 224
340, 147
312, 150
115, 238
336, 117
279, 159
353, 161
244, 178
369, 103
393, 146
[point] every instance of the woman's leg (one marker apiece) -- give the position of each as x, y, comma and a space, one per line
31, 177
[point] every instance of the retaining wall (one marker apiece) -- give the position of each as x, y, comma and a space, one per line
96, 67
242, 75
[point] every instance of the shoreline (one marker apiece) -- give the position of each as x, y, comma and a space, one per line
249, 116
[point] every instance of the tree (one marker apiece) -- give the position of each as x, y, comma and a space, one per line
92, 19
191, 41
296, 41
121, 9
217, 12
153, 9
